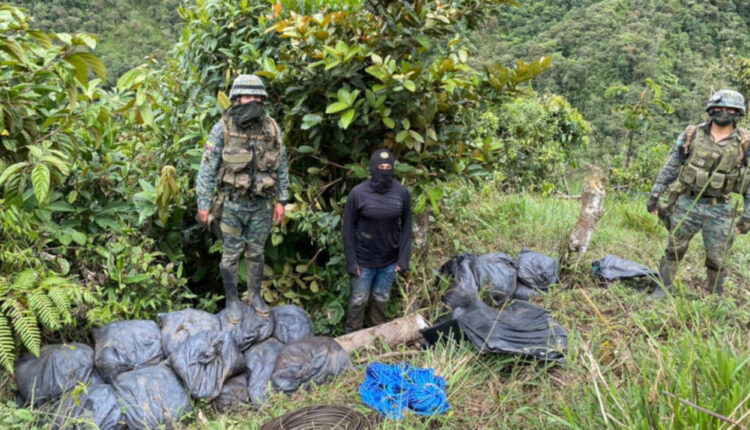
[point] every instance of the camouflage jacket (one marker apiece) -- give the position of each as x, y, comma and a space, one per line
205, 182
671, 170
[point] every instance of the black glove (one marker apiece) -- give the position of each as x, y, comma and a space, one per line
653, 199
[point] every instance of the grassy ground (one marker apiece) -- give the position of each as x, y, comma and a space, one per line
632, 363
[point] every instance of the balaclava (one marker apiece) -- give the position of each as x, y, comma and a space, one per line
722, 117
249, 114
381, 180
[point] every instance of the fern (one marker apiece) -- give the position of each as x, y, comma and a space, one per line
25, 280
24, 324
7, 345
45, 310
61, 299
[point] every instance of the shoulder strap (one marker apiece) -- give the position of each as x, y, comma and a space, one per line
690, 133
225, 130
275, 131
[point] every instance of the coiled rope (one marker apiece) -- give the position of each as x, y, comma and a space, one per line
320, 417
391, 389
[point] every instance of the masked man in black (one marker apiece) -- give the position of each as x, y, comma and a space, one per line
377, 239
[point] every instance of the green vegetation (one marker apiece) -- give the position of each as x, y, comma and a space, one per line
97, 201
129, 31
689, 48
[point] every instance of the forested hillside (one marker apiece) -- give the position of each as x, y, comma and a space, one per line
128, 30
688, 47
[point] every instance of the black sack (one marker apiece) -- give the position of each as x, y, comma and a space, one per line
58, 370
180, 325
291, 324
125, 345
234, 393
152, 397
253, 328
314, 359
463, 287
260, 361
536, 270
497, 273
97, 407
611, 268
519, 328
205, 360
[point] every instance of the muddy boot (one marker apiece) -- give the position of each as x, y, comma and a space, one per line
254, 285
234, 311
715, 281
355, 316
377, 312
667, 271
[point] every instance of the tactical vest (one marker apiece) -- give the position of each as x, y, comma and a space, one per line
714, 170
250, 159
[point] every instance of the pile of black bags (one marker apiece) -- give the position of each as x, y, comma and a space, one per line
140, 377
517, 327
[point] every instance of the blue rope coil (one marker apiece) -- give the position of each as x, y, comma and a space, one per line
392, 389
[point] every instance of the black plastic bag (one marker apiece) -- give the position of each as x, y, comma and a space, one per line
314, 359
180, 325
152, 397
611, 268
252, 329
519, 328
496, 272
291, 324
536, 270
260, 361
205, 360
125, 345
464, 288
58, 370
234, 393
97, 407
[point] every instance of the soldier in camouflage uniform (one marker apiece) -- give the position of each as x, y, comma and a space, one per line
245, 161
708, 162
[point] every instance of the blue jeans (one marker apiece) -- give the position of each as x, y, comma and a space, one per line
375, 281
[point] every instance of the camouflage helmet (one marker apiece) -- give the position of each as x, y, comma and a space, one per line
727, 98
250, 85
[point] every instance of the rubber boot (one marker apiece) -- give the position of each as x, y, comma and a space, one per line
234, 311
715, 280
377, 312
355, 316
667, 271
254, 285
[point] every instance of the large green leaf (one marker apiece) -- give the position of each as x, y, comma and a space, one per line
40, 180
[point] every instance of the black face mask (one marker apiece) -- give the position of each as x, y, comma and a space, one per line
248, 115
381, 180
722, 117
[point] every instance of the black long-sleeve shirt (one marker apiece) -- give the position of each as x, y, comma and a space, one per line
377, 227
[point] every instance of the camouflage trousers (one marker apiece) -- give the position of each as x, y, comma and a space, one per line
714, 220
245, 226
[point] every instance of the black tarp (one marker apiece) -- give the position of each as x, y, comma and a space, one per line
125, 345
260, 361
180, 325
313, 359
291, 324
252, 329
58, 370
205, 360
518, 328
536, 270
611, 268
152, 397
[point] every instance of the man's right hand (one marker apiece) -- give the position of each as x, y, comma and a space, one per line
359, 271
651, 203
203, 215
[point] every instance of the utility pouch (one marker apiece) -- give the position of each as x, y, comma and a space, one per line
666, 203
214, 216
